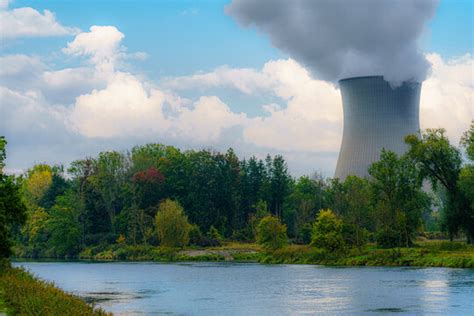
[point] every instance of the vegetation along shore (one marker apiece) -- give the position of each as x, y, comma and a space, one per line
158, 203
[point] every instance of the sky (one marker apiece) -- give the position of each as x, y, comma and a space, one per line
80, 77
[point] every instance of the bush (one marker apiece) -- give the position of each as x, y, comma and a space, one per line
172, 224
271, 233
214, 236
327, 231
195, 235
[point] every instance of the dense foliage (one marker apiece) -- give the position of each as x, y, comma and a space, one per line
12, 208
114, 199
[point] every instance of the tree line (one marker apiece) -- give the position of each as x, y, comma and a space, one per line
132, 197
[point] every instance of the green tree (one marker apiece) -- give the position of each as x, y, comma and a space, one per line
12, 208
108, 180
327, 231
172, 224
399, 200
271, 233
306, 198
58, 187
466, 177
280, 184
441, 163
357, 216
64, 226
261, 211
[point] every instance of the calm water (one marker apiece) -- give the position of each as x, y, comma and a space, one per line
253, 289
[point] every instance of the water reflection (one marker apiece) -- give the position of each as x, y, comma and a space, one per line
252, 289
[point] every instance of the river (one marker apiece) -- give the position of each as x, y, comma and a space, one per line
256, 289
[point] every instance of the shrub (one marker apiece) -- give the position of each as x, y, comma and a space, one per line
172, 224
271, 233
327, 231
214, 236
195, 235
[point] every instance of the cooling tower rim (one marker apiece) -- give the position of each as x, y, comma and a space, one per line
359, 77
374, 76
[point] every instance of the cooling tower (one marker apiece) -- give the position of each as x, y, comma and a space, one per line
376, 116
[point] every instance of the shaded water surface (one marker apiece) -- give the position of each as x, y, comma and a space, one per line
254, 289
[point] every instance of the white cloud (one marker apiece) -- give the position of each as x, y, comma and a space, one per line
245, 80
4, 4
128, 108
311, 119
101, 45
206, 120
28, 22
28, 113
13, 65
447, 97
123, 109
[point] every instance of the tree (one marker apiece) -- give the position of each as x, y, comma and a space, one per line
261, 211
108, 180
399, 200
279, 183
12, 208
38, 181
306, 198
466, 177
441, 163
358, 216
64, 226
172, 224
327, 231
271, 233
58, 187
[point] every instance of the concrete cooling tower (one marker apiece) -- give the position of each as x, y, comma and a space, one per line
376, 116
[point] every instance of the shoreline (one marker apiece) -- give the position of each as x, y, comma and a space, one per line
444, 254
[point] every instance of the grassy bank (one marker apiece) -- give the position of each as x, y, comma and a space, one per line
424, 254
23, 294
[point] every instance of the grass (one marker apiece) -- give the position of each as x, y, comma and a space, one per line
425, 253
23, 294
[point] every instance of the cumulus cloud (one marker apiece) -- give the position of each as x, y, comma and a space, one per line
339, 38
122, 108
101, 45
20, 71
28, 22
447, 96
206, 120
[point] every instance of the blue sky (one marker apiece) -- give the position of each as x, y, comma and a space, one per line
183, 37
180, 37
206, 81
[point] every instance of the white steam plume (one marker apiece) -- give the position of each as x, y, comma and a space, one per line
344, 38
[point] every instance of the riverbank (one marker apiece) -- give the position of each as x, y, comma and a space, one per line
424, 254
23, 294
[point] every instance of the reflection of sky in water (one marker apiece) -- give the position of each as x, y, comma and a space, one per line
252, 289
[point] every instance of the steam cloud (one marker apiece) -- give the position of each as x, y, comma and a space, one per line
344, 38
